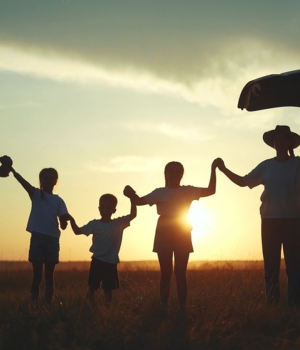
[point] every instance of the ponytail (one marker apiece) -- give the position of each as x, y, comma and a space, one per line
291, 152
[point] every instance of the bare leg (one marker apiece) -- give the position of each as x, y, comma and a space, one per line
181, 261
49, 282
91, 294
36, 281
107, 297
166, 270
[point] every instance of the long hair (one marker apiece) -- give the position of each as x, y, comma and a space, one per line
178, 164
291, 151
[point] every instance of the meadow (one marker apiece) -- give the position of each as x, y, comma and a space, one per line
226, 310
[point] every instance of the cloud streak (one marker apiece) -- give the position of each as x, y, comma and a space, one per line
131, 163
220, 91
176, 41
201, 52
185, 133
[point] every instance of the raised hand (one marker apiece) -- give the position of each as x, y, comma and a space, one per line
219, 163
128, 191
6, 166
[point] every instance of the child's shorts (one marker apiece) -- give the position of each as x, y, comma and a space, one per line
103, 273
43, 248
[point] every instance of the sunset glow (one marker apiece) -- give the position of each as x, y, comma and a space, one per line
108, 93
202, 221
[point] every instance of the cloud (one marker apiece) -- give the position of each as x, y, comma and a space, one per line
206, 92
171, 40
220, 91
130, 163
249, 121
201, 52
181, 132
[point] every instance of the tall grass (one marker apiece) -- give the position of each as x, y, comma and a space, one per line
226, 310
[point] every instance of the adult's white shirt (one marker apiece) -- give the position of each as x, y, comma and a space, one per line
281, 181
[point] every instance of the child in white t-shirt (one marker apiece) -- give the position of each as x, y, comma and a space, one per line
173, 232
107, 238
46, 207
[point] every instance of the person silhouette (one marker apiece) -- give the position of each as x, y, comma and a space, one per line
107, 235
279, 210
173, 231
46, 207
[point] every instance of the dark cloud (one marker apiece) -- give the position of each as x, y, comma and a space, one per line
181, 40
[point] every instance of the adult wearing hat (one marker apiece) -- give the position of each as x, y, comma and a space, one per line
280, 210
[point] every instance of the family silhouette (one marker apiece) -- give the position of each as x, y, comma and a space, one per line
280, 223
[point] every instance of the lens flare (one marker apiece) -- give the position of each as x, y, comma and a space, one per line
202, 221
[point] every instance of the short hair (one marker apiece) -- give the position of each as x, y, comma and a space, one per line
172, 164
109, 197
47, 170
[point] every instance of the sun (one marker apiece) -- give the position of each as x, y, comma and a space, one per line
202, 220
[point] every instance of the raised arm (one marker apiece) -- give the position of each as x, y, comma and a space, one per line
26, 185
238, 180
211, 189
132, 209
130, 193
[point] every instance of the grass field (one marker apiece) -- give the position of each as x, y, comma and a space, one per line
226, 310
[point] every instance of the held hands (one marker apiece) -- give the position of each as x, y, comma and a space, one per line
128, 191
221, 165
66, 217
218, 163
63, 220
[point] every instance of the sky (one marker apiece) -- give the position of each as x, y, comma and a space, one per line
108, 92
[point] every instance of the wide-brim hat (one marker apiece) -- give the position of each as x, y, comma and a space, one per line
268, 136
